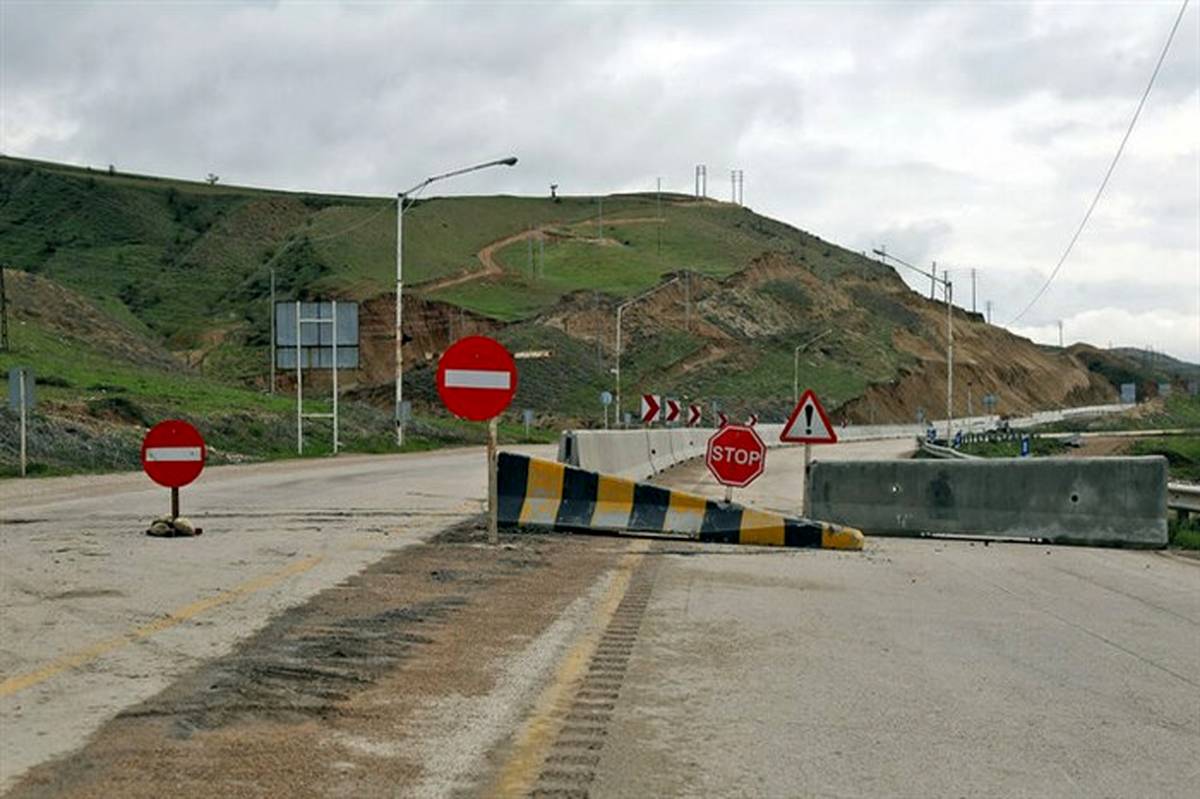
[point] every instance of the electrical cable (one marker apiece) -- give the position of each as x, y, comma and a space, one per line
1111, 167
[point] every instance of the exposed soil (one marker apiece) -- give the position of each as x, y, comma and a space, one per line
61, 310
322, 701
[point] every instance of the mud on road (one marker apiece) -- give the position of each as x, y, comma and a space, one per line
350, 693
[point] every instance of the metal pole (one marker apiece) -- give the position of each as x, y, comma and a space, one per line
973, 270
658, 212
932, 279
796, 374
493, 501
272, 330
949, 361
687, 301
399, 319
620, 310
335, 380
805, 504
24, 414
3, 313
174, 503
728, 494
299, 389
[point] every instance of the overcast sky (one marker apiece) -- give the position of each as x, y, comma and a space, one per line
973, 134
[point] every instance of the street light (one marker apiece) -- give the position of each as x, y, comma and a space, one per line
949, 287
796, 363
621, 310
401, 199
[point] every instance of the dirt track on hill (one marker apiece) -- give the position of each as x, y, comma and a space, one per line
487, 256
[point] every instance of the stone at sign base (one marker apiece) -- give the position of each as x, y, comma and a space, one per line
166, 527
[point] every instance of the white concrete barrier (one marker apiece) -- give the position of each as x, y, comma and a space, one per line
643, 453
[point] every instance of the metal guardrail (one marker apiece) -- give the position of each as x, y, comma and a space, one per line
938, 451
1183, 497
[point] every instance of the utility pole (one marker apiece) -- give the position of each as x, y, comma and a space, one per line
932, 279
949, 360
658, 212
687, 301
273, 332
973, 270
989, 312
701, 181
3, 314
1060, 335
949, 289
733, 186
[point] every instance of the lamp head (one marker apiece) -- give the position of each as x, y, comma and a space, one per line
510, 161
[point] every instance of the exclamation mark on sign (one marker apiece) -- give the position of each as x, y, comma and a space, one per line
808, 412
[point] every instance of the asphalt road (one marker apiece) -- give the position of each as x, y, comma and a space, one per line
95, 616
623, 668
919, 667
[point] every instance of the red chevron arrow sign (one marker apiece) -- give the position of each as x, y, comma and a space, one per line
693, 415
672, 413
651, 407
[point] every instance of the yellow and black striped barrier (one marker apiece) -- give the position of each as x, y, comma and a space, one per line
540, 493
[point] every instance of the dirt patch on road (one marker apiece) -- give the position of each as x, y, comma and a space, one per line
324, 701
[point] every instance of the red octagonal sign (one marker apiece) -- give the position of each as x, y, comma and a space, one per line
173, 453
736, 456
477, 378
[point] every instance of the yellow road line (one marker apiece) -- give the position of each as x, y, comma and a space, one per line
529, 753
20, 682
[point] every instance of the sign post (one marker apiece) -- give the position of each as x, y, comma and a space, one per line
20, 399
808, 425
735, 456
477, 379
173, 455
606, 399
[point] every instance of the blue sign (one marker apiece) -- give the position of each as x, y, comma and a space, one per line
1025, 446
958, 439
931, 435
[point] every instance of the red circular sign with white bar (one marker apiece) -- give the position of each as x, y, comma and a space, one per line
173, 453
736, 456
477, 378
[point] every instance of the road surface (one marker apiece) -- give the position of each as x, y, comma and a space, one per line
582, 666
95, 616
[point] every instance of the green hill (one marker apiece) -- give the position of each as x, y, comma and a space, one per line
182, 270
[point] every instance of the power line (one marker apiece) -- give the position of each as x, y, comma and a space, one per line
1112, 166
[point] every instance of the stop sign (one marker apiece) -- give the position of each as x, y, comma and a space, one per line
476, 378
173, 453
736, 456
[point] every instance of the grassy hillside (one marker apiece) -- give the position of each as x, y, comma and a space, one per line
177, 276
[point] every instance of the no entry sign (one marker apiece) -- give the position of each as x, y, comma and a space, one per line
173, 453
477, 378
736, 456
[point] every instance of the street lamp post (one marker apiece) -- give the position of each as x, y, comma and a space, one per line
401, 199
620, 311
949, 289
796, 363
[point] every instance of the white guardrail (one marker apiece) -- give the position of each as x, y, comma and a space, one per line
642, 453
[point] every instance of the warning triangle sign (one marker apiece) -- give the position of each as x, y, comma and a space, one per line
808, 423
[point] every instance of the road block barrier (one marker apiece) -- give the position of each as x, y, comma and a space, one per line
1096, 501
542, 493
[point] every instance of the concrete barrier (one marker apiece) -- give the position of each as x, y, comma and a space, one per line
642, 453
1098, 501
541, 493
